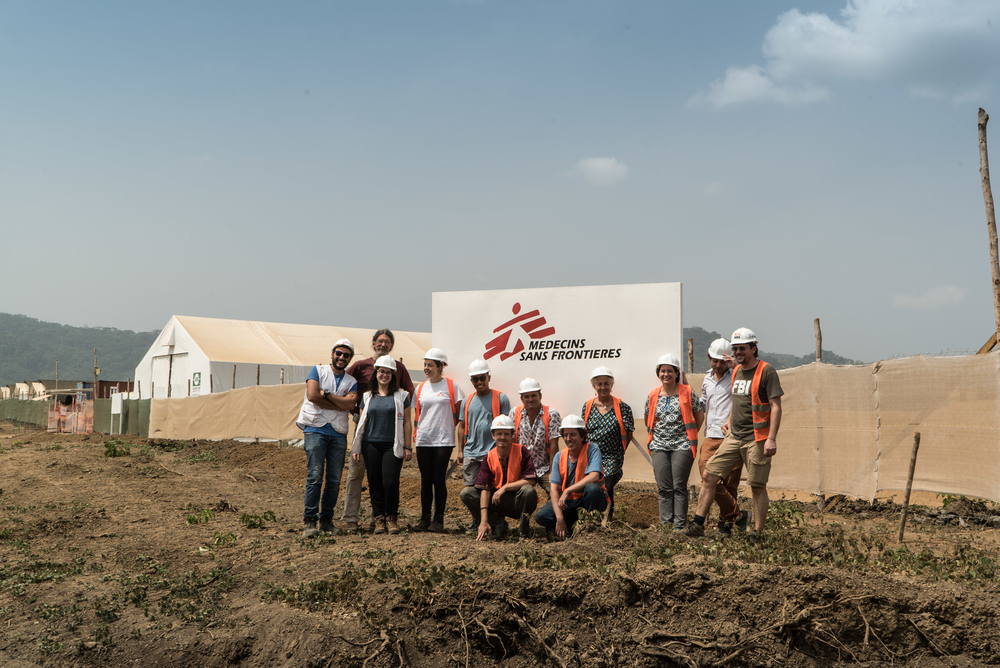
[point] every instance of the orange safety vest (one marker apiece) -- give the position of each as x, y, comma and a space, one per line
495, 407
760, 412
416, 401
687, 414
618, 414
581, 471
545, 418
513, 465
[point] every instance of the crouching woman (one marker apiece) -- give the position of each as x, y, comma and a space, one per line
577, 481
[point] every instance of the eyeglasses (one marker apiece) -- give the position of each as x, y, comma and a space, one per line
387, 372
340, 353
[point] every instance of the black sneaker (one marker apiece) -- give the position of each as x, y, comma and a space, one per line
499, 531
741, 523
436, 525
724, 530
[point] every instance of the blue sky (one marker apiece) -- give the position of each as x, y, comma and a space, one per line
336, 163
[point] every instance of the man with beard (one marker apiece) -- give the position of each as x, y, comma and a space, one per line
330, 393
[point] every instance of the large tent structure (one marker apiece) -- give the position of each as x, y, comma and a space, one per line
194, 356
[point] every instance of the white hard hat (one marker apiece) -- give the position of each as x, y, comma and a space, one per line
502, 422
437, 355
344, 343
719, 349
668, 359
743, 336
478, 368
601, 371
385, 362
529, 385
572, 422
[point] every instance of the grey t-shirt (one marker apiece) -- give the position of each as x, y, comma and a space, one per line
380, 426
741, 421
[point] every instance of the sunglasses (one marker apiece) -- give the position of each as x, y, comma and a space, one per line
740, 348
338, 353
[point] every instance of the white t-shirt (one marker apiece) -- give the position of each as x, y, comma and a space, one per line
436, 428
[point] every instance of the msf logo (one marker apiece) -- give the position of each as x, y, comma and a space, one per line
531, 323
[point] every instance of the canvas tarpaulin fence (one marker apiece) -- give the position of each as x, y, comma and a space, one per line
32, 412
844, 429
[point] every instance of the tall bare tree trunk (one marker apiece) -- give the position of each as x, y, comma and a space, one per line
991, 217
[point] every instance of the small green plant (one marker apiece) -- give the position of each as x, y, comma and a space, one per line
257, 521
973, 504
115, 447
782, 515
102, 634
207, 456
201, 517
48, 645
223, 539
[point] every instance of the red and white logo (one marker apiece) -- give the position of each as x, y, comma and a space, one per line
531, 323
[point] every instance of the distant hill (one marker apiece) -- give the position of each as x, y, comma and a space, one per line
702, 339
29, 349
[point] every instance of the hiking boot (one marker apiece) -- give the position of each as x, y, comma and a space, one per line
550, 536
379, 525
472, 530
326, 525
524, 528
437, 524
371, 525
499, 531
694, 530
393, 526
724, 530
309, 529
758, 538
351, 527
424, 524
741, 523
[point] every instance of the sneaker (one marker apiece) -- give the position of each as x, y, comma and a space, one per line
436, 525
352, 527
326, 525
741, 523
392, 524
424, 524
309, 529
694, 530
724, 530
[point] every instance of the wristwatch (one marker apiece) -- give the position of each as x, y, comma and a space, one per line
326, 395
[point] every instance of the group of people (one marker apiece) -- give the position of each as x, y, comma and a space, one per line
505, 452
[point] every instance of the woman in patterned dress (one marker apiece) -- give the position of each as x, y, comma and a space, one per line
673, 416
609, 426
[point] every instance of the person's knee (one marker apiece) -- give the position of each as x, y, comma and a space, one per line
468, 495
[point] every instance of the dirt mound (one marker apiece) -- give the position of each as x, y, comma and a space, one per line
190, 554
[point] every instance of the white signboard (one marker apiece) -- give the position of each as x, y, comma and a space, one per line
559, 335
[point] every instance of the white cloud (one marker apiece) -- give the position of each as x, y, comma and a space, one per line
601, 171
943, 295
934, 48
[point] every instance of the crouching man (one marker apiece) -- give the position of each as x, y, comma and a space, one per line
505, 486
577, 481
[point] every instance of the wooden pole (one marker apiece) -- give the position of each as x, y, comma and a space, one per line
281, 381
234, 377
93, 395
189, 387
819, 340
690, 355
170, 376
991, 216
258, 374
909, 485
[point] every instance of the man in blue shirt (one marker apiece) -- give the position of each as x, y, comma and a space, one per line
330, 393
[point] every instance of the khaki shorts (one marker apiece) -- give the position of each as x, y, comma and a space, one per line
734, 452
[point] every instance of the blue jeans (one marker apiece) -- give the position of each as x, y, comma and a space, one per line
323, 450
592, 499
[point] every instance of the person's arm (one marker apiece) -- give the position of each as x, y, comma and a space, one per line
460, 440
328, 402
407, 433
403, 379
771, 444
557, 493
593, 476
699, 418
484, 510
512, 487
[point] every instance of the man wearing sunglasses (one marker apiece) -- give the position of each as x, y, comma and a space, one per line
751, 433
330, 393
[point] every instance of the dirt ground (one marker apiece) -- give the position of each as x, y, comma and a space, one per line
190, 554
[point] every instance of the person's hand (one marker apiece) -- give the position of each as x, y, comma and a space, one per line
770, 447
496, 495
484, 528
458, 458
729, 360
407, 455
725, 428
563, 500
357, 456
561, 528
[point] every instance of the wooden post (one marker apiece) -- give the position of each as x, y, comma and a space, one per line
234, 377
189, 387
819, 340
93, 395
210, 384
258, 374
281, 380
909, 485
138, 387
991, 216
170, 376
690, 355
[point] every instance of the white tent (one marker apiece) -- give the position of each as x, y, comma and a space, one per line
193, 356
